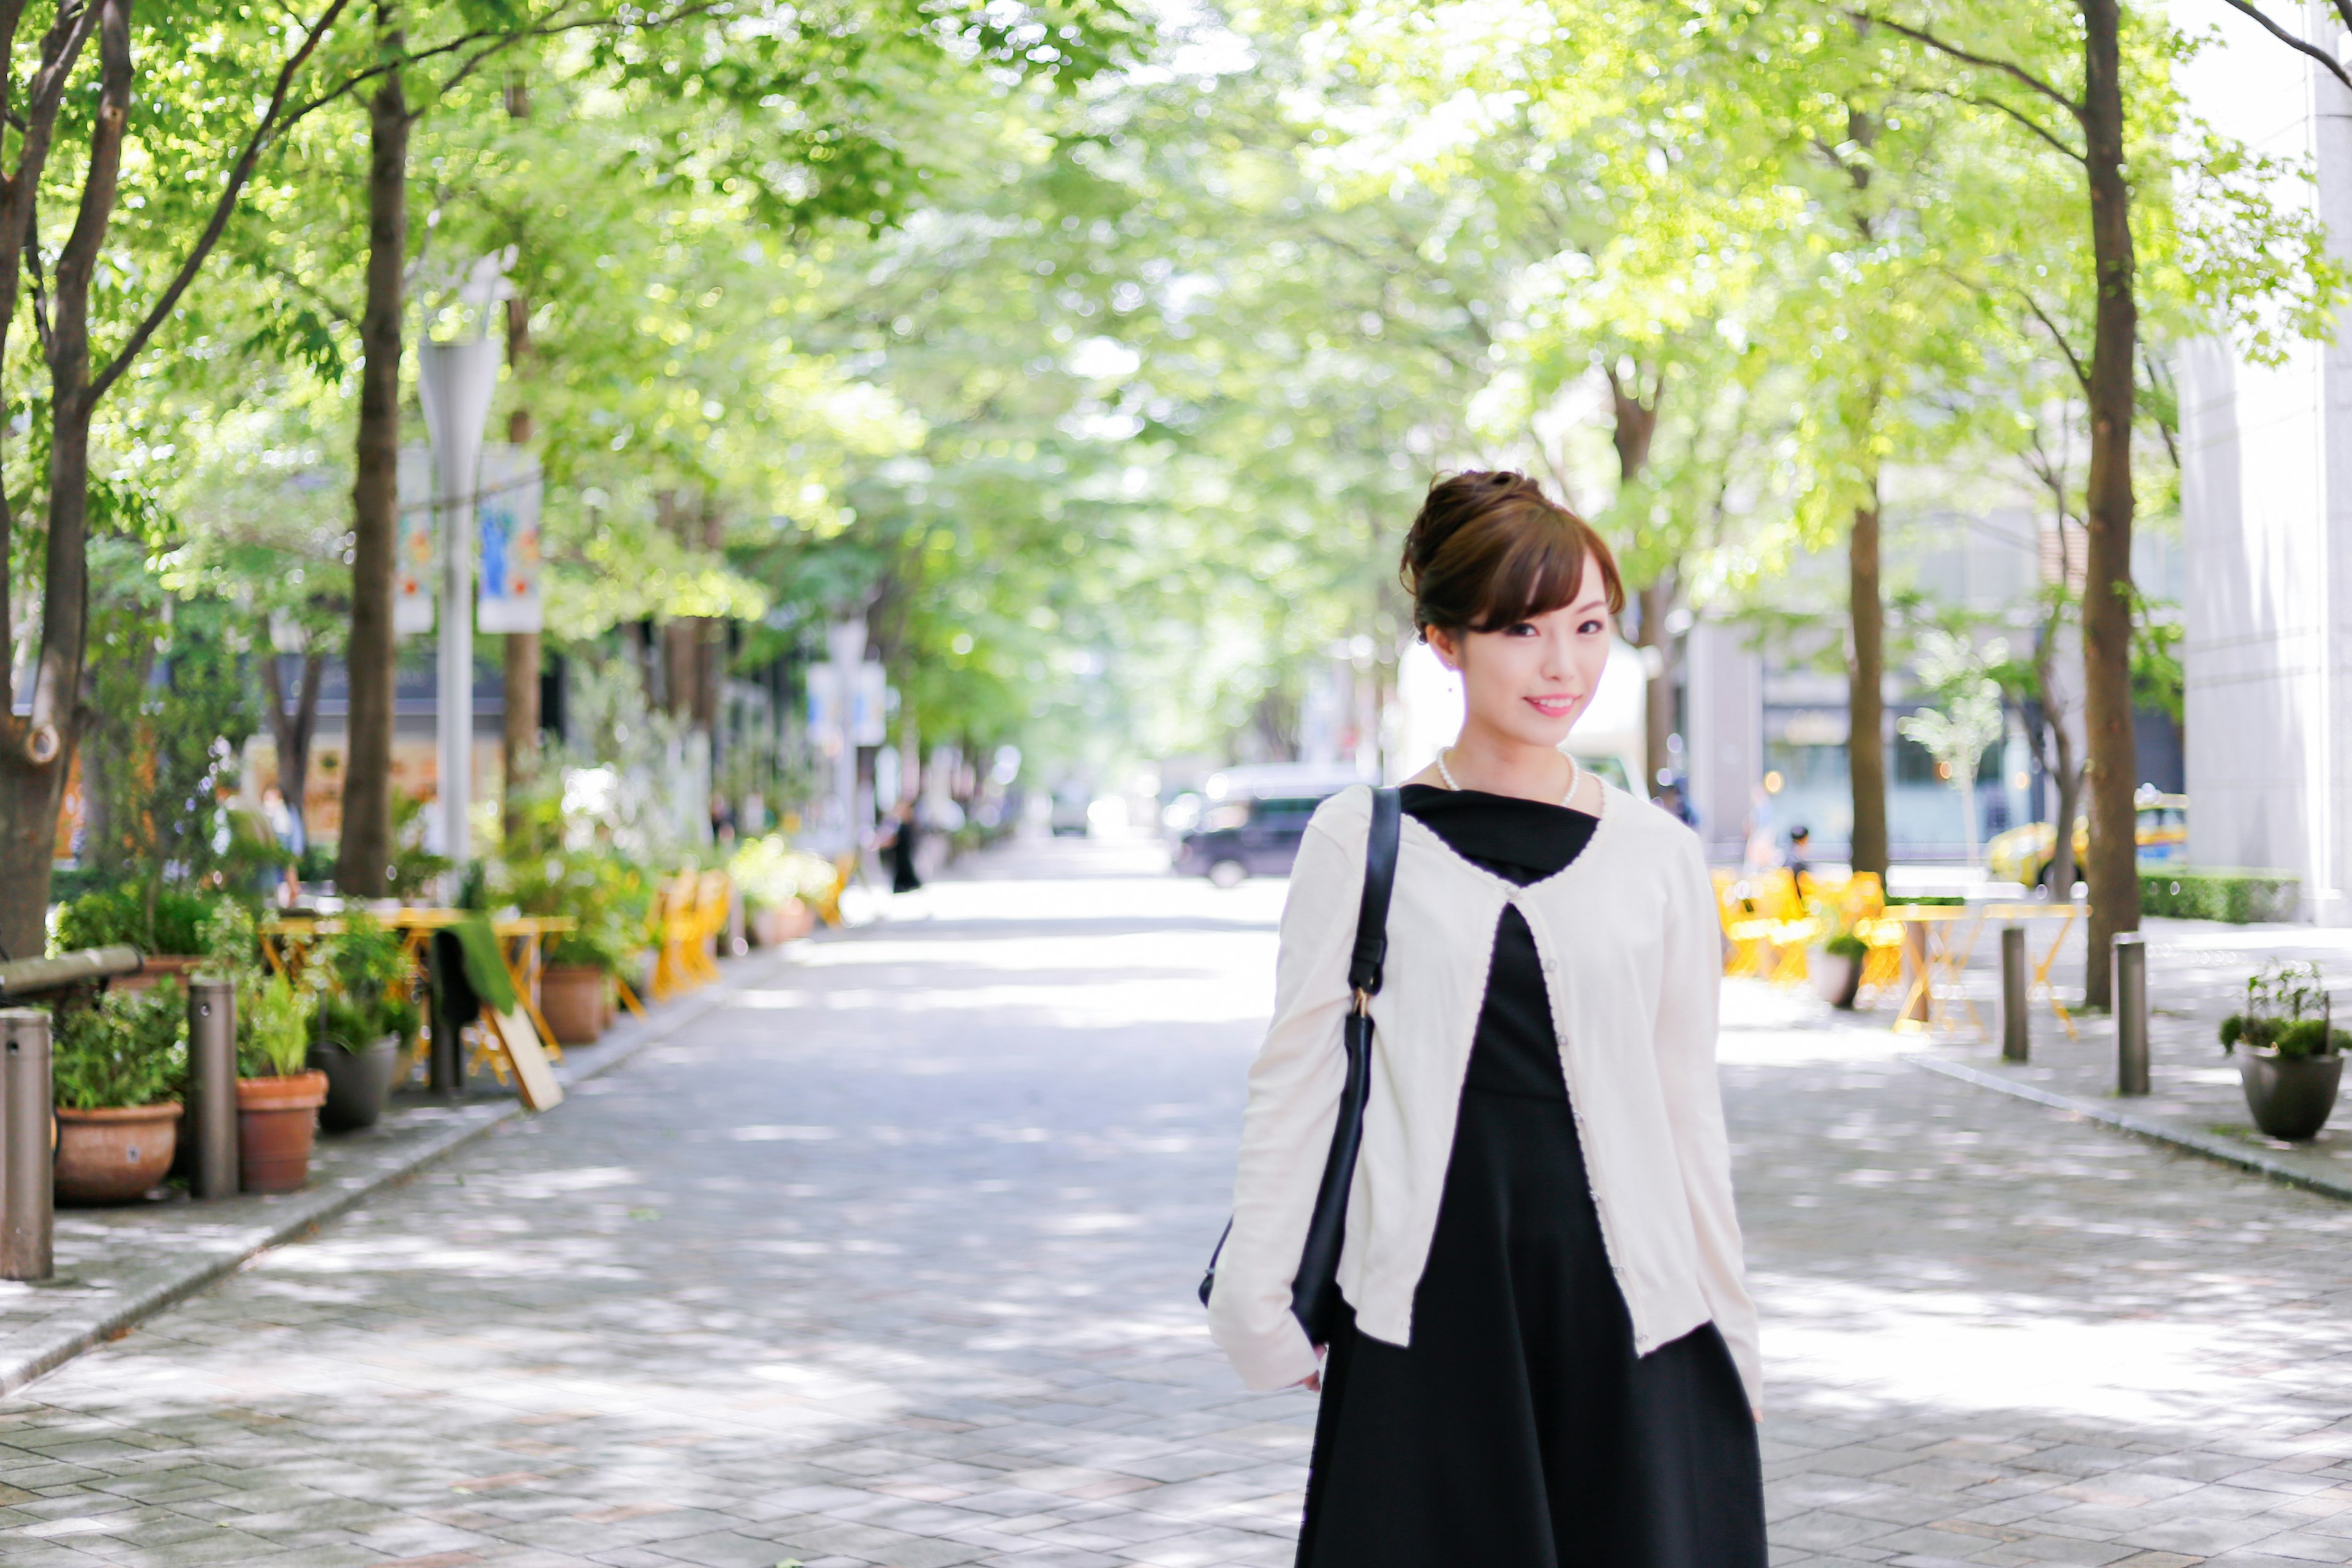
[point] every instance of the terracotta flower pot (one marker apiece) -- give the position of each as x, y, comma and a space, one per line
571, 997
2291, 1097
277, 1120
358, 1082
787, 921
114, 1155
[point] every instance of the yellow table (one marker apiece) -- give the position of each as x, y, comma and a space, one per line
2039, 984
1937, 942
520, 940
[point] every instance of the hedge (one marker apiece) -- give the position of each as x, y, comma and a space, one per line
2240, 898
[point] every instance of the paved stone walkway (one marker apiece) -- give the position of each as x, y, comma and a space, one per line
891, 1263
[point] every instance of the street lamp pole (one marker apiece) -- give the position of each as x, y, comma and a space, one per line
455, 381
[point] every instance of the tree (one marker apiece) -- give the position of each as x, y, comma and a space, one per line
1970, 722
2088, 85
217, 54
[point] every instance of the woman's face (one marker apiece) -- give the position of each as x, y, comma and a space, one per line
1530, 681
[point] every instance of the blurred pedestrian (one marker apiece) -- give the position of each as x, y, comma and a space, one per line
1545, 1352
906, 835
1800, 854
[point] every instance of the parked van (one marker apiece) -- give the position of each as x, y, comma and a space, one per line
1253, 819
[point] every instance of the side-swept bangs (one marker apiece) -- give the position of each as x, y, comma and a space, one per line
1490, 550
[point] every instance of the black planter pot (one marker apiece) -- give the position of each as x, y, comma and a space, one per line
358, 1082
2290, 1097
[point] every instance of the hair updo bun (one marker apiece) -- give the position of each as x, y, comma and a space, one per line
1489, 549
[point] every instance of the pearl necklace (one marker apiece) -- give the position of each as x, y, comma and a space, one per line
1575, 775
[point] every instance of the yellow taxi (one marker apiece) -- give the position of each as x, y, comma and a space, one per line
2023, 854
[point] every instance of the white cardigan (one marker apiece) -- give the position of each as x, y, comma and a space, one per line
1631, 960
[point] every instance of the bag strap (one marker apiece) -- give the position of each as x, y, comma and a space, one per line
1379, 879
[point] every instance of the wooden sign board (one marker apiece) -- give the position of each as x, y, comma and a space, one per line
534, 1077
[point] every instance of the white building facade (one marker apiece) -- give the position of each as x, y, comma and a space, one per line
2266, 505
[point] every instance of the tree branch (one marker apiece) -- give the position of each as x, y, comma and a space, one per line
33, 265
2073, 361
2014, 113
264, 130
1983, 62
2300, 45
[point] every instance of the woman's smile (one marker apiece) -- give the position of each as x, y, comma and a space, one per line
1554, 705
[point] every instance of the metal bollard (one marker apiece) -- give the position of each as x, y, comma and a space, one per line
211, 1123
2016, 1030
25, 1252
2130, 982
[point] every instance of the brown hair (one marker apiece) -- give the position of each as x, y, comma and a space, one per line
1489, 550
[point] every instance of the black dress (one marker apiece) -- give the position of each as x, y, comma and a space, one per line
1519, 1430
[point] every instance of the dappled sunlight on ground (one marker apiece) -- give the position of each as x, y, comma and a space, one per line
891, 1263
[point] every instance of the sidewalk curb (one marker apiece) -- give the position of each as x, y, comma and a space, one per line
316, 1208
2226, 1151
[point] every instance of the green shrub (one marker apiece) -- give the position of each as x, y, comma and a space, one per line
115, 915
1928, 900
274, 1031
2288, 1011
1845, 944
129, 1048
2240, 897
368, 984
769, 871
2297, 1038
608, 896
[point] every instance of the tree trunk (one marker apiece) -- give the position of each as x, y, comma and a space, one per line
1633, 425
709, 644
33, 774
1865, 744
1866, 690
2058, 761
290, 732
2113, 872
1656, 601
364, 855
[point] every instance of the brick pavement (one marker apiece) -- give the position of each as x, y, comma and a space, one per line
890, 1264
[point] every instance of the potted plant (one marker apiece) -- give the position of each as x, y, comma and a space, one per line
278, 1098
366, 1017
606, 896
117, 1068
2293, 1059
1836, 968
778, 883
163, 923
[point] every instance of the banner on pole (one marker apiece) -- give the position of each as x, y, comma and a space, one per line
869, 704
824, 707
506, 520
416, 545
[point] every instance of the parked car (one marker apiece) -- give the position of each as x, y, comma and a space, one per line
1068, 814
2024, 854
1252, 820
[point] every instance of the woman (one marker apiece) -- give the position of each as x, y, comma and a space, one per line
905, 835
1551, 1358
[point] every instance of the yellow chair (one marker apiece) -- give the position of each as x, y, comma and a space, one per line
827, 904
714, 893
1864, 908
672, 925
1780, 900
1745, 928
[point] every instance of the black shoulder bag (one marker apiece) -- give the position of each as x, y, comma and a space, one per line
1315, 1298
